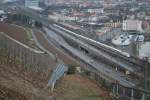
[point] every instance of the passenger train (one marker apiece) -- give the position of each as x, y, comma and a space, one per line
93, 41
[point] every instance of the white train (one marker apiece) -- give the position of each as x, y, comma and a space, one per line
93, 41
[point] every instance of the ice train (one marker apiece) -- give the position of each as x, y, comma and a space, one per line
95, 42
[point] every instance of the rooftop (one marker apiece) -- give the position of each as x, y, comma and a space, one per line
2, 12
35, 8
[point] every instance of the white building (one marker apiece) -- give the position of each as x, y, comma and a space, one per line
2, 12
99, 10
47, 2
52, 2
7, 1
132, 25
31, 3
59, 17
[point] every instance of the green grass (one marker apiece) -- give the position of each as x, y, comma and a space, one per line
29, 34
31, 42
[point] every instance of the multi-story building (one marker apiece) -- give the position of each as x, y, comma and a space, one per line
132, 25
55, 2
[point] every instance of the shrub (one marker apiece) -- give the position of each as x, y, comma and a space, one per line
71, 70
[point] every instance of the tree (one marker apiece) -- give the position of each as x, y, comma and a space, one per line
71, 70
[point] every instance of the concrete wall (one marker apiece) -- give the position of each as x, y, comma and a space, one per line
37, 62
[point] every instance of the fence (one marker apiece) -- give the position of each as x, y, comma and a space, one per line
57, 74
38, 63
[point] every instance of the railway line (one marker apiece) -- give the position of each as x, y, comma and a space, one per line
109, 49
105, 71
134, 63
102, 50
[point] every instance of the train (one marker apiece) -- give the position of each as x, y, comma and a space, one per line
95, 42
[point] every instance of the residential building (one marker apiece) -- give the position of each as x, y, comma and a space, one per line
132, 25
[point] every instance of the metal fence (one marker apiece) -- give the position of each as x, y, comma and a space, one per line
37, 62
57, 74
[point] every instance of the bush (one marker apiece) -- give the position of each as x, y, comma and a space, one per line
71, 70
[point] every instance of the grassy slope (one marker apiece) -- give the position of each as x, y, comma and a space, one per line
75, 87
